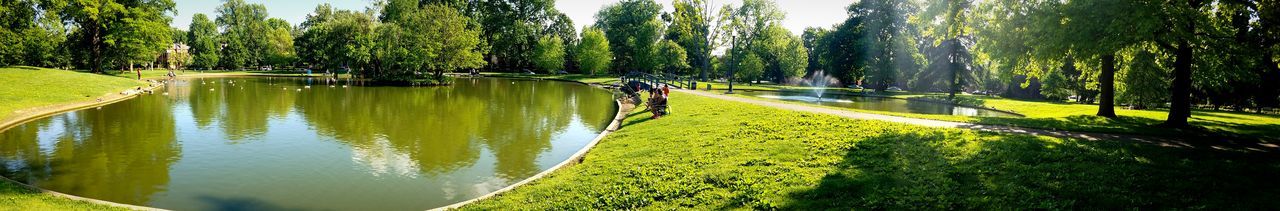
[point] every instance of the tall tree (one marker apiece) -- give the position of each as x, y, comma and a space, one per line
203, 37
593, 54
633, 30
1098, 29
280, 48
889, 38
693, 28
245, 34
1179, 28
672, 58
549, 54
123, 31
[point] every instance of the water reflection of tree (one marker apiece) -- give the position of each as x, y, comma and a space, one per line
121, 153
438, 126
430, 125
205, 100
248, 111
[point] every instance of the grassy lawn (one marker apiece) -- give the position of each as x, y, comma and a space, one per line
714, 154
14, 197
1081, 117
27, 87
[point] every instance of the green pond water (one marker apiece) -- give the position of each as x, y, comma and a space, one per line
296, 144
880, 104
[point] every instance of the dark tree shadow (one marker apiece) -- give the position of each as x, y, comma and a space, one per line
938, 171
246, 204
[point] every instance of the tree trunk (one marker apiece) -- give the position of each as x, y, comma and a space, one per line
1106, 80
95, 48
1180, 109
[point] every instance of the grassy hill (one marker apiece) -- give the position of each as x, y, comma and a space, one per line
30, 87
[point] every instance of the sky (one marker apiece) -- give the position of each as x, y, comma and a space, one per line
800, 13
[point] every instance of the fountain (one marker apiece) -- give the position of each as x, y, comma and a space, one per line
819, 81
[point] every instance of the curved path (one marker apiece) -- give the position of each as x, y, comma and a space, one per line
1160, 141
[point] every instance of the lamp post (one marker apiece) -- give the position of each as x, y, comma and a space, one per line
733, 65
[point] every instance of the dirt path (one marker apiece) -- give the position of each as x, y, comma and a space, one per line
1161, 141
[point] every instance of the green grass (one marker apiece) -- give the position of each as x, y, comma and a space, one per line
14, 197
1082, 117
713, 154
28, 87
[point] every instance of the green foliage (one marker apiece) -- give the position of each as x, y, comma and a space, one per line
336, 40
31, 35
593, 54
1141, 85
509, 30
633, 30
204, 41
280, 51
435, 39
749, 68
672, 59
691, 28
246, 36
119, 33
789, 57
549, 55
892, 54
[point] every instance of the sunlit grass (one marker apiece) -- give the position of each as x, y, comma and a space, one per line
28, 87
714, 154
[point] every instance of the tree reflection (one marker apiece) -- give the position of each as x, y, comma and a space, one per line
120, 153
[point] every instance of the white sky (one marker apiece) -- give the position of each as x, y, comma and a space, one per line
800, 13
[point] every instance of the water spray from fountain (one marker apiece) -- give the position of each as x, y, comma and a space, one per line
819, 81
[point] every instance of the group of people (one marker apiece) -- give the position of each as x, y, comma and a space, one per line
658, 100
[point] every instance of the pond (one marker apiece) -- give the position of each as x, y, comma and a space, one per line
278, 143
880, 104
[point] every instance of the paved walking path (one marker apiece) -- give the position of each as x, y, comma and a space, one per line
1161, 141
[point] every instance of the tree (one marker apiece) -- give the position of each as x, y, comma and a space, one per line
280, 48
121, 31
633, 30
786, 56
593, 52
749, 68
672, 58
889, 39
435, 38
32, 34
549, 54
203, 37
512, 28
814, 39
1139, 89
692, 28
748, 27
15, 17
338, 39
246, 34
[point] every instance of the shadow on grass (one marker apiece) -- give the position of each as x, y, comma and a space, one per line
1202, 129
937, 171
